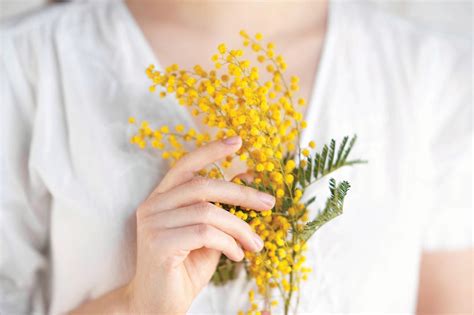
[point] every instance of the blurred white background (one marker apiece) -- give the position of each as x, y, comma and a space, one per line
454, 16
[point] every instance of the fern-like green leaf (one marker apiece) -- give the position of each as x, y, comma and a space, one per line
351, 144
322, 160
328, 161
309, 201
309, 169
333, 208
225, 271
332, 151
341, 150
317, 162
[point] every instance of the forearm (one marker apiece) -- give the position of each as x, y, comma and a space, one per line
114, 302
446, 283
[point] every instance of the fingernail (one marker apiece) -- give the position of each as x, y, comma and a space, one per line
258, 242
232, 140
267, 199
241, 254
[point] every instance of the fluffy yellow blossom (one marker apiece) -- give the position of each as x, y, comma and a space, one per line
280, 193
222, 48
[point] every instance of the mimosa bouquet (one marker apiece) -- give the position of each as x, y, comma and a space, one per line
233, 100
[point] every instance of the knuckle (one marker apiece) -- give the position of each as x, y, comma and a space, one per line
254, 193
200, 181
243, 190
231, 242
141, 212
200, 186
245, 227
203, 230
204, 210
220, 149
242, 231
243, 194
237, 224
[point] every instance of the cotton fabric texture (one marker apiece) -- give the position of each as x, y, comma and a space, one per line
72, 74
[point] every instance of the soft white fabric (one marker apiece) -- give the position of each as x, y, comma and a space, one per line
71, 75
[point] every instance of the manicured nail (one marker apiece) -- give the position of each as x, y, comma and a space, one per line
267, 199
258, 242
232, 140
241, 254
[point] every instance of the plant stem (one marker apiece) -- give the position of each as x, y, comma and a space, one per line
290, 294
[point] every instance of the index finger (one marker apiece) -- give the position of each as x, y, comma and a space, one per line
188, 165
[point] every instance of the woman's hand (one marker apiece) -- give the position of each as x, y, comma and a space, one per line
181, 234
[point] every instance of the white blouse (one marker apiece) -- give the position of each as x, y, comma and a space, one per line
72, 74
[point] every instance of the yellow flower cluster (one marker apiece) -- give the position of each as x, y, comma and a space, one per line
233, 99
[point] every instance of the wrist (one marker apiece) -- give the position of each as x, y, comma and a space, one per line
126, 296
117, 302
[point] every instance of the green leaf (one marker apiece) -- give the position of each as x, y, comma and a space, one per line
309, 169
225, 271
301, 176
341, 150
287, 202
332, 150
324, 155
317, 162
351, 144
333, 208
310, 201
329, 160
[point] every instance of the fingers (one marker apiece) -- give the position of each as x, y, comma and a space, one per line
207, 213
201, 189
172, 242
196, 160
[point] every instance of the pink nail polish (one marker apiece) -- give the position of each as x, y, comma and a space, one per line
232, 140
267, 199
258, 242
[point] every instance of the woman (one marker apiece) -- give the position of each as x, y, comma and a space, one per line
90, 225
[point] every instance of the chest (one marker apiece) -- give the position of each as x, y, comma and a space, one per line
301, 54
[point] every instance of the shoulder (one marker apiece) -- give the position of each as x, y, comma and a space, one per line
388, 34
363, 19
57, 26
35, 43
418, 57
64, 16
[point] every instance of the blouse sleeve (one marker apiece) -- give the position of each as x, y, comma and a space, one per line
24, 199
447, 121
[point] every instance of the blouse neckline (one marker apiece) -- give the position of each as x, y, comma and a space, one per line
319, 77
